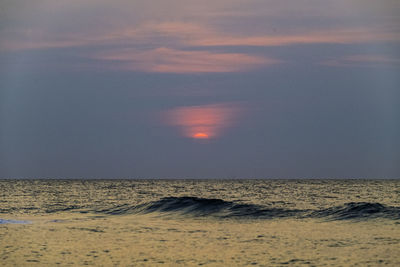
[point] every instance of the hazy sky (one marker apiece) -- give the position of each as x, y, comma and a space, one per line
200, 89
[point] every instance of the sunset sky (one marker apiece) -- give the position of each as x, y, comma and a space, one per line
200, 89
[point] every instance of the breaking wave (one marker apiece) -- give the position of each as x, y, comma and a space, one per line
358, 210
218, 208
197, 207
202, 207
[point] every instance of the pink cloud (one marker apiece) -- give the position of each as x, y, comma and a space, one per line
190, 34
338, 36
178, 39
168, 60
181, 34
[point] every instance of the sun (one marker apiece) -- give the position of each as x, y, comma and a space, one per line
201, 136
203, 122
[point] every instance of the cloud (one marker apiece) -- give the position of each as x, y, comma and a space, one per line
346, 36
182, 34
205, 121
168, 47
32, 39
197, 35
362, 61
168, 60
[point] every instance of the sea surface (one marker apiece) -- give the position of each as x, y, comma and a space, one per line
200, 222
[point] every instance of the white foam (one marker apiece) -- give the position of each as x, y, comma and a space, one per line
2, 221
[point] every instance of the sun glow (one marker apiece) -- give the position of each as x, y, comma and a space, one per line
203, 122
201, 136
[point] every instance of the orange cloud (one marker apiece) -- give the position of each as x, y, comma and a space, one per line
168, 60
203, 122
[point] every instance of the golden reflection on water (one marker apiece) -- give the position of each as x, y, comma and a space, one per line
61, 235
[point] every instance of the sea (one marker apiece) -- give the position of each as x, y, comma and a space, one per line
191, 222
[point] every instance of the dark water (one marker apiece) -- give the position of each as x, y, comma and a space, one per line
334, 222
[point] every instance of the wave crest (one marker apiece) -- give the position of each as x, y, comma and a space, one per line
196, 207
358, 210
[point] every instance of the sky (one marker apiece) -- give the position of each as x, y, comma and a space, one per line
200, 89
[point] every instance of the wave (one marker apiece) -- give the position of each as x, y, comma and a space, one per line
198, 207
358, 210
214, 207
218, 208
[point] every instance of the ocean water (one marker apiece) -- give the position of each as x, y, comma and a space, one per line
200, 222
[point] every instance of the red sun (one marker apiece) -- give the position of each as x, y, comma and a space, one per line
201, 136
